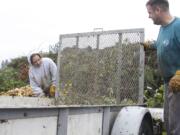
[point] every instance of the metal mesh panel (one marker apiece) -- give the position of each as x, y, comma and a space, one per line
102, 67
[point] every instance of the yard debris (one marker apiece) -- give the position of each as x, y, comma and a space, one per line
23, 91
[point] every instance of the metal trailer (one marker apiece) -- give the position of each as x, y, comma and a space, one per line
40, 116
44, 116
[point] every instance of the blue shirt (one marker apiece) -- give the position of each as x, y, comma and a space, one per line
168, 48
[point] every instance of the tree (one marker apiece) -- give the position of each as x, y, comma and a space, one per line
9, 79
4, 63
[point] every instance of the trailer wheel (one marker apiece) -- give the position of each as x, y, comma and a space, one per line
146, 127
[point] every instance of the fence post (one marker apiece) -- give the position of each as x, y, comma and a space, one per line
141, 71
119, 62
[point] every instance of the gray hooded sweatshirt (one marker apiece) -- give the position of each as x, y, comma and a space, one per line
42, 77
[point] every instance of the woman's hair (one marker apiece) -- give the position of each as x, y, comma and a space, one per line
33, 55
163, 4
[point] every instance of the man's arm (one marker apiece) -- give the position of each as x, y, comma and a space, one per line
37, 91
177, 34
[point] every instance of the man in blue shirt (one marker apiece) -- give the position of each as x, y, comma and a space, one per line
168, 54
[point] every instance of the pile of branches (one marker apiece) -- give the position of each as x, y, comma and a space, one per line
23, 91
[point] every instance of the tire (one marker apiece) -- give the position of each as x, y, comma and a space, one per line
146, 127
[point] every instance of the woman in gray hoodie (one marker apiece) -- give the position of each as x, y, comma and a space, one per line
42, 75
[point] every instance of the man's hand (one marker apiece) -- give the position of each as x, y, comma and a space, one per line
146, 44
174, 84
52, 90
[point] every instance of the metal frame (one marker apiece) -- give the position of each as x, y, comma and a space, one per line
97, 34
141, 30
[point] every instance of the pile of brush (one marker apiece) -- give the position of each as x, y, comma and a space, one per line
23, 91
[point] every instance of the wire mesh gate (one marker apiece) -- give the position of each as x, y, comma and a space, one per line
102, 67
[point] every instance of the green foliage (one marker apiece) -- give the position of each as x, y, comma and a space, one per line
152, 75
17, 62
155, 99
9, 79
153, 80
10, 74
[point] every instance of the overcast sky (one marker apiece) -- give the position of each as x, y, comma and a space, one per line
32, 25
